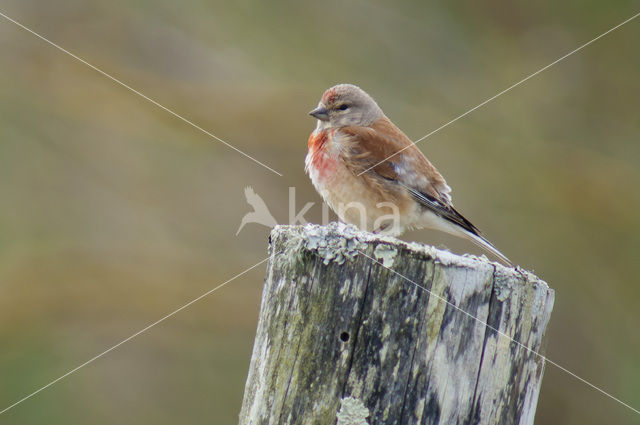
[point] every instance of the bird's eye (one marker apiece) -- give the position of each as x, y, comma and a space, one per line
343, 107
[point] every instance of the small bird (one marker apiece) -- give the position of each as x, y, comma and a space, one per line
371, 174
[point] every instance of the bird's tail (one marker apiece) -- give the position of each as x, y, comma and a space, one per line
487, 246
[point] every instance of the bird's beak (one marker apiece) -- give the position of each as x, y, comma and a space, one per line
320, 113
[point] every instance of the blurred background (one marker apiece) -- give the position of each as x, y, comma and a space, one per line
114, 213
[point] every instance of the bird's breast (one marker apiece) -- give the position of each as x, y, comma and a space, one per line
321, 161
361, 200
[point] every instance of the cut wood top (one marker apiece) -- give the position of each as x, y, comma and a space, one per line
338, 242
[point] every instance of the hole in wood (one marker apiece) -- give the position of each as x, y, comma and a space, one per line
344, 336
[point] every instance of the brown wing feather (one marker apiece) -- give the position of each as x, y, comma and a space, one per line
367, 146
370, 145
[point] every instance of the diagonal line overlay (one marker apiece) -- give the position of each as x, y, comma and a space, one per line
482, 322
91, 360
503, 91
276, 172
114, 79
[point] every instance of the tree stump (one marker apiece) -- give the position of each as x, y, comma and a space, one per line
354, 329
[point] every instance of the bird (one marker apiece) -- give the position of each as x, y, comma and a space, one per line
260, 213
373, 176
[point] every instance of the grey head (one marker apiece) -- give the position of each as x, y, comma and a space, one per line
346, 105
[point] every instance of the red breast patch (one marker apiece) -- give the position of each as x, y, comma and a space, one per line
321, 160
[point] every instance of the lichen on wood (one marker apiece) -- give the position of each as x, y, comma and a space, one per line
352, 412
413, 333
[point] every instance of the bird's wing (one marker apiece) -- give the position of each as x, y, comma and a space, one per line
366, 151
370, 145
367, 146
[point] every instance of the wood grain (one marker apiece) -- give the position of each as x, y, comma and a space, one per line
349, 319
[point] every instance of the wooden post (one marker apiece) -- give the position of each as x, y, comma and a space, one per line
346, 335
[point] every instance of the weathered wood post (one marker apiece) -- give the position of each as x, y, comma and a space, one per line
354, 329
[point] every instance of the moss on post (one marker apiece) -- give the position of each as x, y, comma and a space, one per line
354, 323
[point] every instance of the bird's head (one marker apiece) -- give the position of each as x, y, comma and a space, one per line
346, 105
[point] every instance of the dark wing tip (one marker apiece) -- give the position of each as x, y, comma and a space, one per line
443, 210
466, 224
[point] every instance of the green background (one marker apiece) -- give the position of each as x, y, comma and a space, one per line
114, 213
